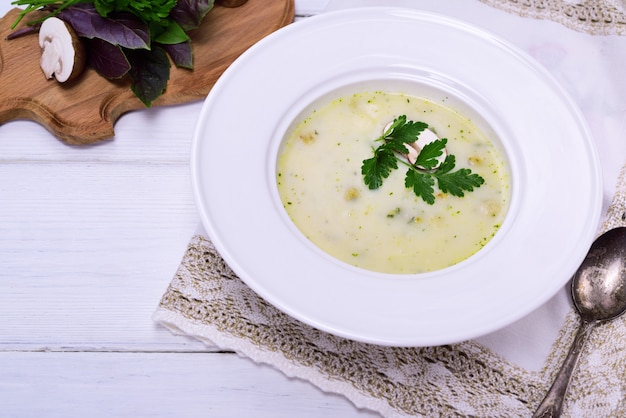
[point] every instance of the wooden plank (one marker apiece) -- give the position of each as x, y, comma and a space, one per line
94, 385
156, 135
87, 250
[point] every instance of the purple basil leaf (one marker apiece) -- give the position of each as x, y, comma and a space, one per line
124, 30
181, 54
189, 13
150, 71
107, 59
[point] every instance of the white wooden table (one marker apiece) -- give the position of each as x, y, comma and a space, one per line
90, 238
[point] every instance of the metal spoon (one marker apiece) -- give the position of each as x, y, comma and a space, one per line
599, 293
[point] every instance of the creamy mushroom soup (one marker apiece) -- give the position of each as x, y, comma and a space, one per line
388, 229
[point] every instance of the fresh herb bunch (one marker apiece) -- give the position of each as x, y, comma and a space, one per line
421, 175
148, 10
134, 38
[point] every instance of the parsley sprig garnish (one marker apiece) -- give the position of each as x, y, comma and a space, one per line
422, 175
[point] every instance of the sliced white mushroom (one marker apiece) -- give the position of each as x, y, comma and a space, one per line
413, 149
62, 52
411, 153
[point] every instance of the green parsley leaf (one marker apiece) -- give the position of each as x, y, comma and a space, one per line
397, 122
447, 165
457, 182
147, 10
402, 132
422, 185
421, 176
427, 158
378, 168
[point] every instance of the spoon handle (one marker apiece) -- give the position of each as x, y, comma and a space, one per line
552, 404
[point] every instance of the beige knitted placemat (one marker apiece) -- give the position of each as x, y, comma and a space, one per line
208, 301
596, 17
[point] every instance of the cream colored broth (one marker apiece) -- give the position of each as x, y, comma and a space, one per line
389, 229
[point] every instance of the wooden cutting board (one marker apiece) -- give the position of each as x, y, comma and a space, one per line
84, 110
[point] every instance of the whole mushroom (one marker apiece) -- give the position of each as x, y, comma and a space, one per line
63, 54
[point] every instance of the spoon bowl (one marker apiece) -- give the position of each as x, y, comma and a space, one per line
599, 294
599, 288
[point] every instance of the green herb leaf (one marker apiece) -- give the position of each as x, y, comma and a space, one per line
402, 132
104, 7
427, 158
447, 165
54, 6
170, 34
378, 168
421, 176
458, 182
146, 10
406, 132
397, 123
422, 185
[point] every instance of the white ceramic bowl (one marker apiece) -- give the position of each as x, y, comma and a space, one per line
554, 171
